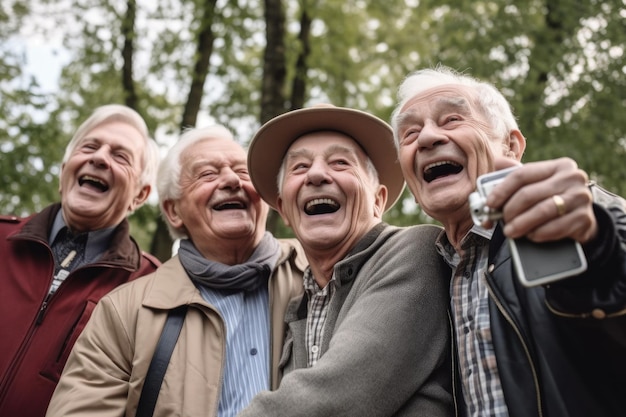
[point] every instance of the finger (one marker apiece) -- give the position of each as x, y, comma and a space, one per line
547, 220
501, 162
546, 178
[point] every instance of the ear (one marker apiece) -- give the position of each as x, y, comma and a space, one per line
380, 201
516, 144
141, 197
169, 209
60, 177
279, 208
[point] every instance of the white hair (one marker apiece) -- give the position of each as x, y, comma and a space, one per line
168, 176
120, 113
490, 101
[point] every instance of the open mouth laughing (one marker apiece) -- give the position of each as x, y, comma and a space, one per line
441, 169
93, 182
230, 205
321, 206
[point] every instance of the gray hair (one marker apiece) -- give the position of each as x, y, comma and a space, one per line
490, 101
168, 176
120, 113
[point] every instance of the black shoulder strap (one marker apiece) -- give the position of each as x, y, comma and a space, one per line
160, 360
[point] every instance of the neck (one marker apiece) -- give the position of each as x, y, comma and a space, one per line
457, 231
322, 262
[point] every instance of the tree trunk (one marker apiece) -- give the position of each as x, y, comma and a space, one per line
161, 246
204, 50
298, 92
128, 52
273, 100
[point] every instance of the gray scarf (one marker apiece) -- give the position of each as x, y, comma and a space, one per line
247, 276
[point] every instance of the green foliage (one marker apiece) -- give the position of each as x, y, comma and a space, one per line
561, 66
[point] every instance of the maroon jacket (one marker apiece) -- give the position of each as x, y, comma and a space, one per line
35, 339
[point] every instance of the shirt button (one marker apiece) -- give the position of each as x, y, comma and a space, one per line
253, 351
315, 348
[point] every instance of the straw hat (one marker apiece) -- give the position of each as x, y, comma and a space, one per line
270, 144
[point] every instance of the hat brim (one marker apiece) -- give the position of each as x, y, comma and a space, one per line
271, 142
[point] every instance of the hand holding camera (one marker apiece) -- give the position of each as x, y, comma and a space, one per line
535, 263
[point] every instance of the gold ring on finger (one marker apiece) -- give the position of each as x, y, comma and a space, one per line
560, 205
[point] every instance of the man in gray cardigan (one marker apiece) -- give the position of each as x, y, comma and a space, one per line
370, 336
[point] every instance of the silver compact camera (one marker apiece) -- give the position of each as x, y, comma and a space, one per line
534, 263
484, 184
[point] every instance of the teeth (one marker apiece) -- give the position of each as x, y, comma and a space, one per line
92, 179
230, 205
436, 164
320, 201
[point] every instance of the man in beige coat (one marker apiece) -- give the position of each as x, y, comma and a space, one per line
235, 278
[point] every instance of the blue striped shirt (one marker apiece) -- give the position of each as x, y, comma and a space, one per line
246, 371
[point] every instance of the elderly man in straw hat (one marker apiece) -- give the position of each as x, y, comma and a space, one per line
370, 335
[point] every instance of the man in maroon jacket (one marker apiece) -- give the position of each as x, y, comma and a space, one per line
58, 263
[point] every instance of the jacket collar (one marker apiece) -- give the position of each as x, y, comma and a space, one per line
172, 287
123, 251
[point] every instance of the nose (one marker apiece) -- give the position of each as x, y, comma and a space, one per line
101, 157
230, 179
431, 135
317, 173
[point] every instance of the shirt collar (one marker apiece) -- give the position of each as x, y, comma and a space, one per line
97, 240
449, 253
310, 285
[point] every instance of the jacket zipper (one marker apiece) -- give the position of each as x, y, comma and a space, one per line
26, 342
19, 356
521, 339
17, 360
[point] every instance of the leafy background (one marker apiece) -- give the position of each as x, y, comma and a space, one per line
184, 63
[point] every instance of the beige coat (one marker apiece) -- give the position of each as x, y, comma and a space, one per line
105, 372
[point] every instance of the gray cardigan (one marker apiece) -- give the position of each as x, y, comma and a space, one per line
386, 349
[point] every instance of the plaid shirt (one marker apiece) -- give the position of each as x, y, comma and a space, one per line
482, 390
317, 308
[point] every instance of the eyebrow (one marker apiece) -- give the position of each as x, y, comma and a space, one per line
99, 141
199, 164
458, 104
333, 149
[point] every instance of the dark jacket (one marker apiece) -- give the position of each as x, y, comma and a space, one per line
561, 348
35, 337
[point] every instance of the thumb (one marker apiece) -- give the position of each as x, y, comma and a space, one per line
501, 162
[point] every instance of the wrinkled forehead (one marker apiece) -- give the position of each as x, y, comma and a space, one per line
213, 150
455, 96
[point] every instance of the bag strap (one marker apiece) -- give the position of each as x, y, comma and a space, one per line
160, 360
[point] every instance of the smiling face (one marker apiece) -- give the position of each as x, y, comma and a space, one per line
99, 182
219, 208
328, 195
445, 144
